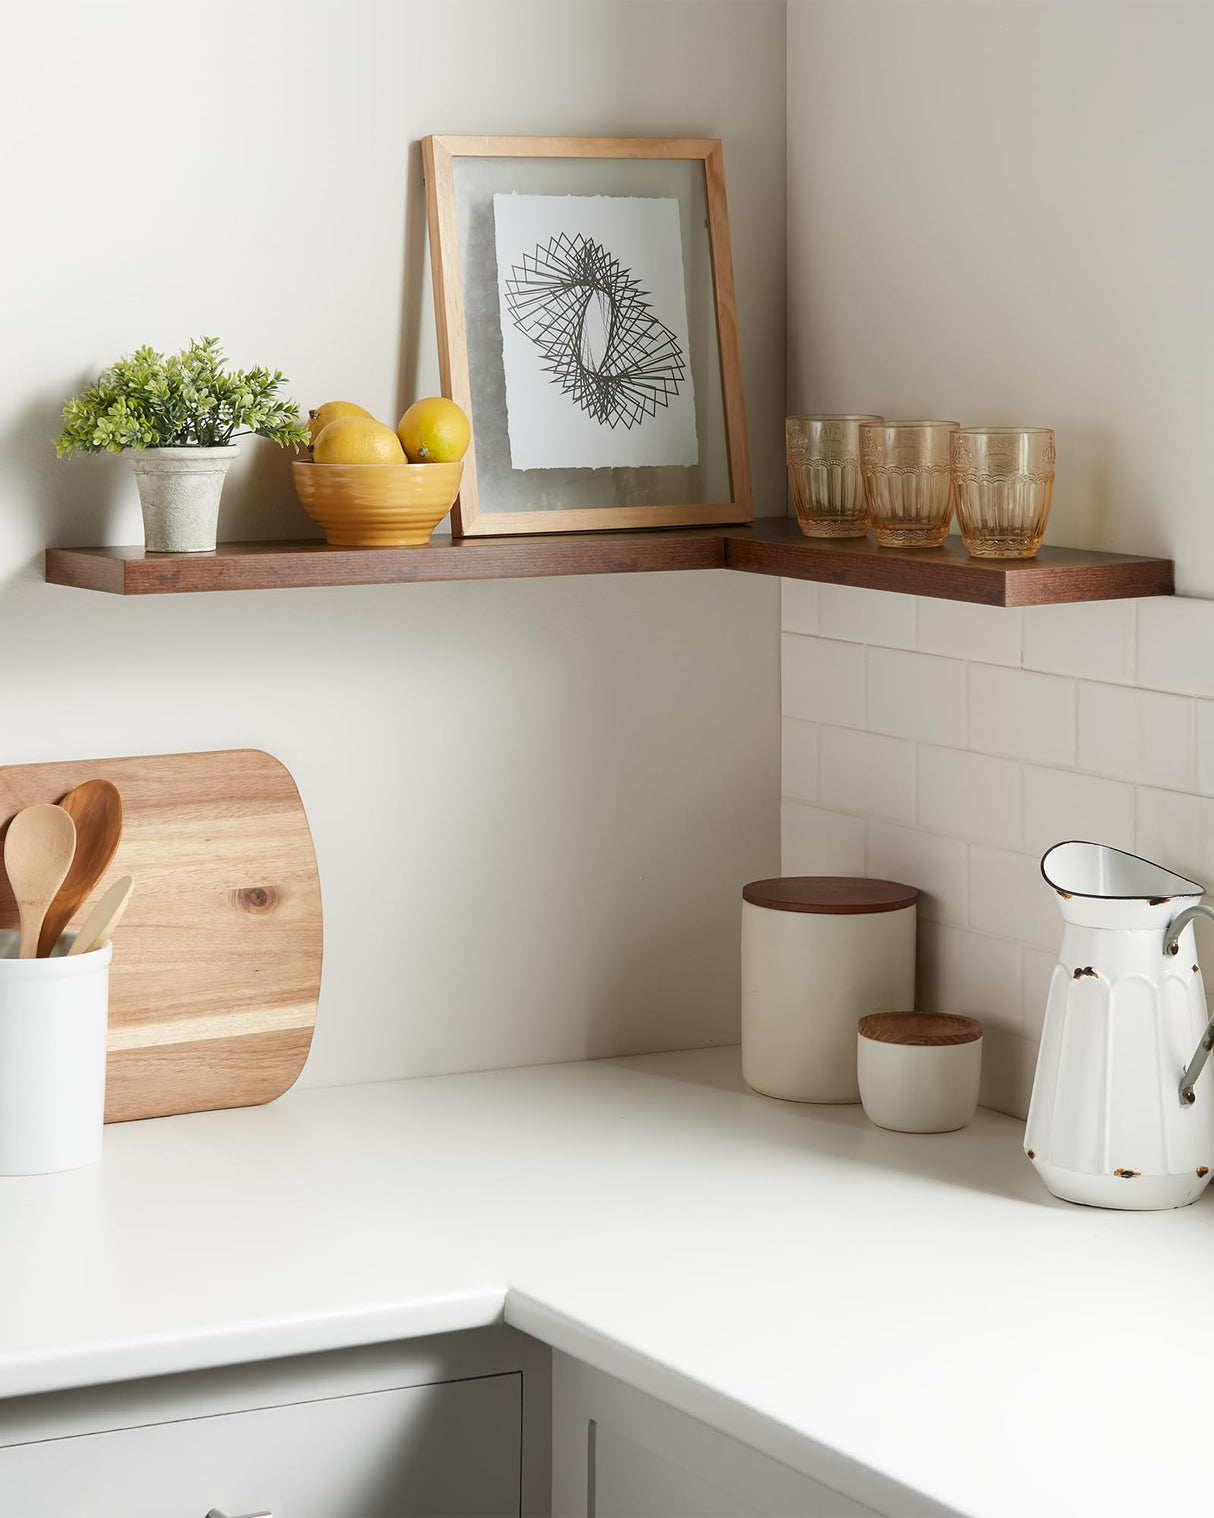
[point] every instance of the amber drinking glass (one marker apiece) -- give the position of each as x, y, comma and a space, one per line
907, 470
824, 474
1005, 481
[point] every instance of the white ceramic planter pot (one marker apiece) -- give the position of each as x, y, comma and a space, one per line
818, 953
52, 1059
179, 491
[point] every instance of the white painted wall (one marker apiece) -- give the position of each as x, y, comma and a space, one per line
996, 213
533, 802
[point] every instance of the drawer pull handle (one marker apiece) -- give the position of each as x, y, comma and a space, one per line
215, 1513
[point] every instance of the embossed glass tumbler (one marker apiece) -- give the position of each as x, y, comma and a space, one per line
824, 474
1005, 482
907, 470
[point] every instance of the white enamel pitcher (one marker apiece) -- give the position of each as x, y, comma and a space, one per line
1118, 1118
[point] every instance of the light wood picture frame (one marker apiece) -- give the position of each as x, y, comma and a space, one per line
473, 515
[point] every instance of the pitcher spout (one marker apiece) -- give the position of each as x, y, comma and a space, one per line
1102, 887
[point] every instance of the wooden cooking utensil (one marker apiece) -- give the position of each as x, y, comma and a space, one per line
96, 808
104, 918
38, 851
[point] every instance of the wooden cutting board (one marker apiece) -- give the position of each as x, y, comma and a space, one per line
216, 969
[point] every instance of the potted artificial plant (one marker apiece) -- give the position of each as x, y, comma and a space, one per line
177, 417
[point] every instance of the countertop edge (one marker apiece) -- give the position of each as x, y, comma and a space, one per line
801, 1452
241, 1343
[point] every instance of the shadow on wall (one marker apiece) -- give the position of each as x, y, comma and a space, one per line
259, 499
413, 293
413, 277
67, 502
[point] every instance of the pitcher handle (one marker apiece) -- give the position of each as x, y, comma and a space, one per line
1171, 942
1171, 945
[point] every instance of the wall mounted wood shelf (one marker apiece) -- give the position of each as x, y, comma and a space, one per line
271, 566
778, 547
772, 547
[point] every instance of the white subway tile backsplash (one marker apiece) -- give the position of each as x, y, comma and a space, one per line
990, 634
799, 759
1009, 1061
1036, 972
949, 746
867, 773
971, 974
799, 606
822, 681
1177, 831
937, 866
1205, 747
970, 794
1009, 899
814, 842
1060, 804
1136, 735
1021, 715
915, 695
866, 616
1175, 639
1094, 639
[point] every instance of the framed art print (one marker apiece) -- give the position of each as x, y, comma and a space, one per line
584, 300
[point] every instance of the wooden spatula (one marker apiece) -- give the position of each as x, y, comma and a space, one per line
104, 918
38, 851
96, 808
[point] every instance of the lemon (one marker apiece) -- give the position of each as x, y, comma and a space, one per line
320, 418
434, 431
357, 440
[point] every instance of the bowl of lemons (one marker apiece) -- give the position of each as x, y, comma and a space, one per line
368, 486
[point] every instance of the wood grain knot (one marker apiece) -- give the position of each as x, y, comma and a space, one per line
256, 899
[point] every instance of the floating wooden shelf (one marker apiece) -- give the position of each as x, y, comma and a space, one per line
271, 566
771, 547
778, 547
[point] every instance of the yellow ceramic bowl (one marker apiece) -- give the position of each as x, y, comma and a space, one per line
377, 505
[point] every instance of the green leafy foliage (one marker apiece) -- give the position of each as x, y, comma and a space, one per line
186, 400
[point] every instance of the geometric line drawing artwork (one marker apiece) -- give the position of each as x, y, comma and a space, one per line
596, 331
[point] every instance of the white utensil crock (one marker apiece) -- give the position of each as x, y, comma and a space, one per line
818, 952
52, 1058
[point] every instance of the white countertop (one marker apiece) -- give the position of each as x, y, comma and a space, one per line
847, 1300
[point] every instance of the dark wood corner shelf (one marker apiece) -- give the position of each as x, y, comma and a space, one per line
778, 547
773, 546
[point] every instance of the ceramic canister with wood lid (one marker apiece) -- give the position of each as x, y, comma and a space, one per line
819, 952
919, 1071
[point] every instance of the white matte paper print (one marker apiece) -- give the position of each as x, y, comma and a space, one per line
594, 332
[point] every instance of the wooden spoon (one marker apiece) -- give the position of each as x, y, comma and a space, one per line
104, 918
38, 851
96, 808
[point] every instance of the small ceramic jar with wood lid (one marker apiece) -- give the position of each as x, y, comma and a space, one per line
818, 953
919, 1071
